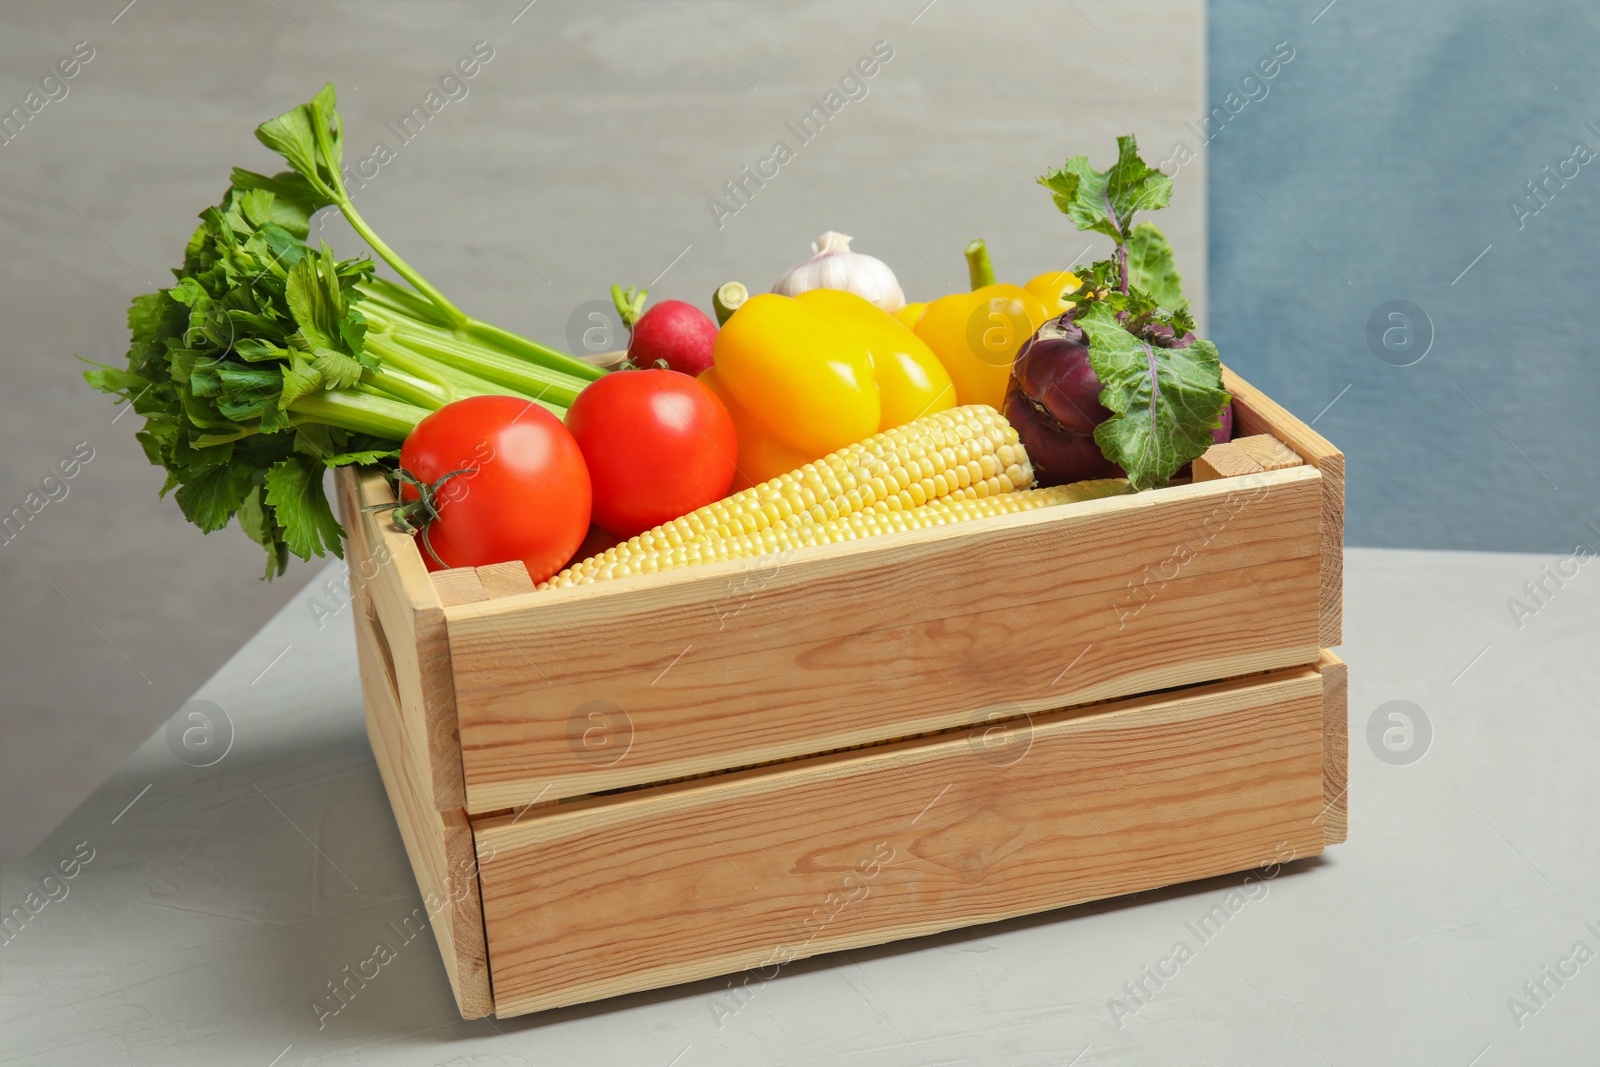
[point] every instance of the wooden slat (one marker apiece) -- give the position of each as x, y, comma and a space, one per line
1245, 455
1224, 461
567, 692
663, 885
1335, 747
1269, 453
411, 615
505, 579
459, 585
472, 585
439, 844
1254, 413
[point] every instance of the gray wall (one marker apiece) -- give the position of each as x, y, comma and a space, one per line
592, 139
1383, 160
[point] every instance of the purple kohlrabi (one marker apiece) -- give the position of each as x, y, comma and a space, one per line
1053, 401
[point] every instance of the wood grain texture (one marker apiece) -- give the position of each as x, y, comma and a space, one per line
568, 692
1255, 413
504, 579
1245, 455
1335, 748
663, 885
1224, 461
385, 563
439, 845
1269, 453
458, 585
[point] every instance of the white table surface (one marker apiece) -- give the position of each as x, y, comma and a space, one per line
217, 906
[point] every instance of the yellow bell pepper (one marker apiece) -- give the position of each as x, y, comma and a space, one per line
761, 455
911, 380
909, 315
1052, 289
795, 371
976, 335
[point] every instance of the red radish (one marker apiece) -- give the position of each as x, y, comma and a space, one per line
678, 333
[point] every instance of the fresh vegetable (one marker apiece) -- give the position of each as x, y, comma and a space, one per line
803, 376
491, 479
672, 333
911, 380
976, 334
859, 525
1059, 425
269, 361
1123, 362
1059, 455
1224, 431
658, 444
910, 315
1054, 289
1053, 370
729, 297
834, 266
808, 382
761, 454
964, 453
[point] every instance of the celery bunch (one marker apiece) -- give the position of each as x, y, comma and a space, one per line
270, 361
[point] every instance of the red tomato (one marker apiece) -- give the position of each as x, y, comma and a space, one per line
525, 494
658, 444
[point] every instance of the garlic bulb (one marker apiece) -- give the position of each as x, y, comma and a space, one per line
834, 266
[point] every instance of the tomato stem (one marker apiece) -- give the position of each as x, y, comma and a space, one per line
415, 516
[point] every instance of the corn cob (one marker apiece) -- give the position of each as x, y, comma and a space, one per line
785, 537
965, 452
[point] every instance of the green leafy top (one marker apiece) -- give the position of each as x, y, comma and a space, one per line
1164, 401
1163, 387
255, 322
1104, 201
269, 361
310, 137
1152, 268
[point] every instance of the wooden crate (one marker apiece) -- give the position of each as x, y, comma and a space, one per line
626, 785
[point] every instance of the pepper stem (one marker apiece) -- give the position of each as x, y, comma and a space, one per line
979, 269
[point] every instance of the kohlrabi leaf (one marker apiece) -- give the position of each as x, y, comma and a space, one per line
1164, 401
1151, 267
1104, 201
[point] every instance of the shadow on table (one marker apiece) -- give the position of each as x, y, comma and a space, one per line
242, 878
